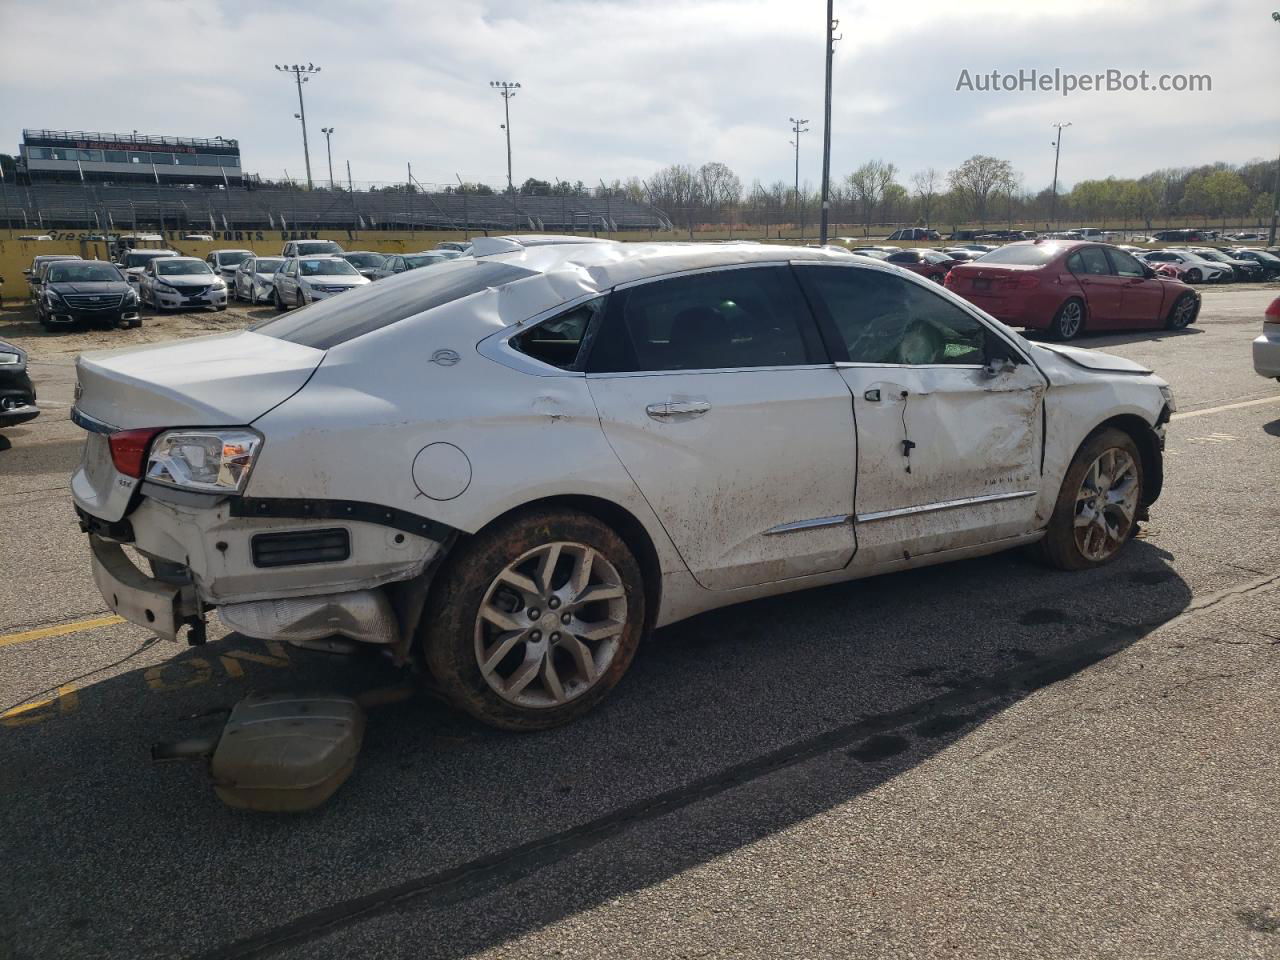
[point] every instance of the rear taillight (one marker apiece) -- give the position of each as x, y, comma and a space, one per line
129, 450
1273, 312
950, 279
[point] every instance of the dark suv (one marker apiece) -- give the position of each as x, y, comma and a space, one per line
86, 291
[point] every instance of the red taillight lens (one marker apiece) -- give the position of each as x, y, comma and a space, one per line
129, 450
1273, 311
950, 279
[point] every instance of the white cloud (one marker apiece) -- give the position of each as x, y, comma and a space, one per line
622, 87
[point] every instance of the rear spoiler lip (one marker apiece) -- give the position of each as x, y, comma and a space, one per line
92, 424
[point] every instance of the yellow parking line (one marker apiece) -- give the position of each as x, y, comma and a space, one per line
1225, 406
8, 639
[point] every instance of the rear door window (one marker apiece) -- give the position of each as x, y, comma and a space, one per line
722, 319
1091, 261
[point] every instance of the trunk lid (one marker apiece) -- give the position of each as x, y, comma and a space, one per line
222, 380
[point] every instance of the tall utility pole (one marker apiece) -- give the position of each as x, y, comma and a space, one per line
302, 74
1057, 149
1275, 190
328, 149
797, 128
832, 23
507, 90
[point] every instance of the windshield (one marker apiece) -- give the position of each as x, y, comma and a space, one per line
268, 264
234, 257
75, 272
1211, 255
178, 266
934, 256
318, 246
367, 260
142, 259
376, 305
1026, 254
327, 268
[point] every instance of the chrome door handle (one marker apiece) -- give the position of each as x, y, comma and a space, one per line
677, 409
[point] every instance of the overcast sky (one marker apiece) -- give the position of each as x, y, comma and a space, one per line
621, 88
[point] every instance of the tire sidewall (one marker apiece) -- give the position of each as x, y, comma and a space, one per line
447, 635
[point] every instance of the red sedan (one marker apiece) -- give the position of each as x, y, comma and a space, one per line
927, 263
1065, 287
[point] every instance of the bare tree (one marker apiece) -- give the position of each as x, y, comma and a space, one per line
977, 178
720, 187
926, 183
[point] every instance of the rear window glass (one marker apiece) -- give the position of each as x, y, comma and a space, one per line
362, 310
1029, 254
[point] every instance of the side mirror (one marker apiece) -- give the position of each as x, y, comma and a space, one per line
1148, 271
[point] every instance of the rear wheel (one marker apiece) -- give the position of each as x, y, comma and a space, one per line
1097, 508
532, 623
1068, 321
1182, 313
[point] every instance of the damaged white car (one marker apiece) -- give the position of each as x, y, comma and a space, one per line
506, 469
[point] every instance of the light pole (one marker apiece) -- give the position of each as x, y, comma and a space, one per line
301, 74
328, 149
1057, 149
1275, 190
797, 127
832, 23
507, 90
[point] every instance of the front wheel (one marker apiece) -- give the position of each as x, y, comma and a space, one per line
279, 301
1068, 321
1193, 275
1182, 313
533, 622
1097, 508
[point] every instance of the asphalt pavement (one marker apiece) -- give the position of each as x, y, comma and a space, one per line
986, 759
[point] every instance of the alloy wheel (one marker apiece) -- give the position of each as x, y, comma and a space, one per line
1072, 317
1106, 504
550, 624
1183, 312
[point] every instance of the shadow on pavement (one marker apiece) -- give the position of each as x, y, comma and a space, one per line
731, 727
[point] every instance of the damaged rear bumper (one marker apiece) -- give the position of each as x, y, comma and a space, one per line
160, 606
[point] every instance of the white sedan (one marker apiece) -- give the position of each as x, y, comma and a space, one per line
1266, 348
302, 280
509, 468
176, 282
254, 279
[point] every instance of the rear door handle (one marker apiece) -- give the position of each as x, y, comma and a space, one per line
677, 409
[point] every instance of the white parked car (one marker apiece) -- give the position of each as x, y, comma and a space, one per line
225, 262
181, 282
133, 262
510, 467
254, 279
311, 248
1188, 267
303, 280
394, 263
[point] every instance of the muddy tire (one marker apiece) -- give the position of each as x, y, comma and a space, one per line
1068, 321
530, 624
1097, 509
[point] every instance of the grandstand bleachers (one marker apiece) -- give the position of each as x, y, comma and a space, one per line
87, 206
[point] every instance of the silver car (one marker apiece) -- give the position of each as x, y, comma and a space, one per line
303, 280
254, 279
1266, 349
397, 263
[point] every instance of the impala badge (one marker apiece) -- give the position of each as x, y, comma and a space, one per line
446, 357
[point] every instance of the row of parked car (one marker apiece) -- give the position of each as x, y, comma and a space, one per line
69, 290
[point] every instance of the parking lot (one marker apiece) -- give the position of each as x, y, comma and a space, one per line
983, 759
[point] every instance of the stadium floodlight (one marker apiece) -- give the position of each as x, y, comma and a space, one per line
328, 149
798, 127
1057, 149
507, 89
301, 74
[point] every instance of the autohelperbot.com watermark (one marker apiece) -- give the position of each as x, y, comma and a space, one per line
1067, 82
